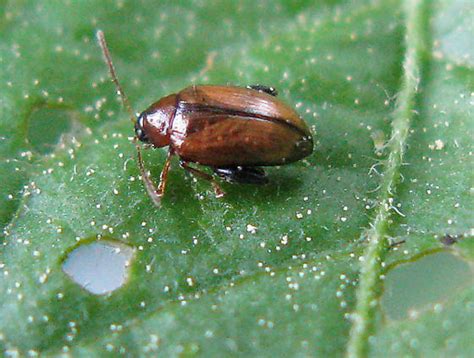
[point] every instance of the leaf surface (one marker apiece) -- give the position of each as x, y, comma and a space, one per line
267, 269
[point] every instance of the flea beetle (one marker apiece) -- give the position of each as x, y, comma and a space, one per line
233, 130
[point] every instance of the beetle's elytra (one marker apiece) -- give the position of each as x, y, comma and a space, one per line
233, 130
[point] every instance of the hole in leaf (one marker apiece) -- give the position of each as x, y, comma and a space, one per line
423, 283
99, 267
45, 127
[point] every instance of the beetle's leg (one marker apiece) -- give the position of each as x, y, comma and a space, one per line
154, 192
243, 175
217, 189
270, 90
164, 174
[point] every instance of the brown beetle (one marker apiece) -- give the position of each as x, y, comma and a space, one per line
233, 130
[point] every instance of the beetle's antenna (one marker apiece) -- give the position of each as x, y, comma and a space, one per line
113, 75
150, 187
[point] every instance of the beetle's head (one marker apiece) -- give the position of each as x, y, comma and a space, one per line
154, 124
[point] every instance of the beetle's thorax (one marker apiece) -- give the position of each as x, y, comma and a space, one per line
157, 120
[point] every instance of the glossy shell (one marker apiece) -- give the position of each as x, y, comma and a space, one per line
223, 126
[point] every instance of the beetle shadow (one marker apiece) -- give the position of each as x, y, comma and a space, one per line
283, 182
281, 185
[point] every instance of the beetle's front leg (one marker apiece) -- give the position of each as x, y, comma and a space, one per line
155, 193
164, 174
270, 90
217, 189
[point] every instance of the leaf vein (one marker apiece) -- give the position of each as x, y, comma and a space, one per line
370, 281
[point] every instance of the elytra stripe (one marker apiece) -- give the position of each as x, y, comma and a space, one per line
192, 107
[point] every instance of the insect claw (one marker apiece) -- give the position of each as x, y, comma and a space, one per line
218, 191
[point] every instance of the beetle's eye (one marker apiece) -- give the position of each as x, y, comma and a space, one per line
139, 131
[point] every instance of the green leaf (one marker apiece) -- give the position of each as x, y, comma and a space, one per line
296, 267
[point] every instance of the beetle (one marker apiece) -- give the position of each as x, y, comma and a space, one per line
233, 130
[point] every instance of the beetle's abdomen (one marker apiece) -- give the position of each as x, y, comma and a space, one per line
228, 126
230, 140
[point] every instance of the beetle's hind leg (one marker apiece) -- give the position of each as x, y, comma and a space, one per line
270, 90
217, 189
243, 175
